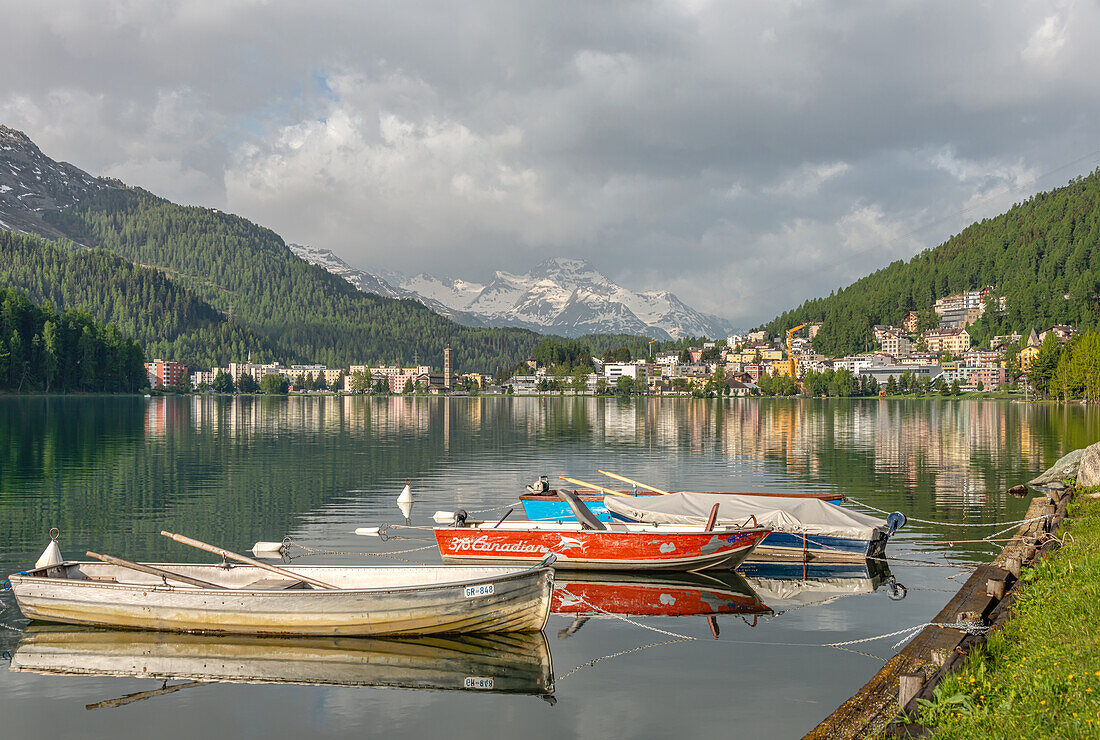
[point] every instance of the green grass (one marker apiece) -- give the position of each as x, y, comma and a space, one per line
1039, 676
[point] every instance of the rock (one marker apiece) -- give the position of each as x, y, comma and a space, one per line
1066, 467
1020, 490
1088, 474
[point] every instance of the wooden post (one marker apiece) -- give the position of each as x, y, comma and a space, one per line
909, 685
939, 657
1012, 565
995, 587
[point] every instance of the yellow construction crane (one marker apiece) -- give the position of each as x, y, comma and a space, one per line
792, 361
790, 335
651, 342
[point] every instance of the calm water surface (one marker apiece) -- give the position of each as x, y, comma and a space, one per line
112, 472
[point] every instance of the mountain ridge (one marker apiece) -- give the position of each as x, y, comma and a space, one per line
560, 295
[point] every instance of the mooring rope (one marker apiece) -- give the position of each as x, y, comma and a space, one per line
970, 628
952, 524
594, 661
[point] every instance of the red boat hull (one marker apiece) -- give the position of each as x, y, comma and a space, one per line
598, 549
650, 599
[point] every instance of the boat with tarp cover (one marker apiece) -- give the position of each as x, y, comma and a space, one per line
801, 528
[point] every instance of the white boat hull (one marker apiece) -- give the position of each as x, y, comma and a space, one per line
368, 601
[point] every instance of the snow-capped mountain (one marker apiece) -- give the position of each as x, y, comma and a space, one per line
559, 296
371, 283
31, 184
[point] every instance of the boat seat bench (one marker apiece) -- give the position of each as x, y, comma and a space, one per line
275, 583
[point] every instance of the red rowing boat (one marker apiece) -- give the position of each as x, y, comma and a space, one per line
590, 544
616, 547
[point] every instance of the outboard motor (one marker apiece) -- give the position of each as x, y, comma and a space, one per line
894, 522
541, 486
460, 518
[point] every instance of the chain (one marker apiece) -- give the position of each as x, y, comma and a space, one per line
288, 543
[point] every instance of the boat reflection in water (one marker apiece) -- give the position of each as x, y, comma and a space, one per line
583, 595
787, 585
517, 663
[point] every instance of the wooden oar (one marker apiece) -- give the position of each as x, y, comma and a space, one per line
592, 486
166, 574
249, 561
633, 482
131, 698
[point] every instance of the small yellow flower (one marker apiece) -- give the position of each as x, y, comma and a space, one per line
971, 679
1043, 702
1071, 677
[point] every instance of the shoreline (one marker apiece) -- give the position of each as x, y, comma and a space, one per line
908, 681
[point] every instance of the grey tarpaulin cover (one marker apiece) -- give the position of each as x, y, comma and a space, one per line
793, 515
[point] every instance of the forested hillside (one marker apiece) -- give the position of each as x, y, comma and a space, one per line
140, 302
43, 350
248, 272
1042, 256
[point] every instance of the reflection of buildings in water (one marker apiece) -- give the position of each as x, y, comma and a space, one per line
925, 444
620, 421
156, 422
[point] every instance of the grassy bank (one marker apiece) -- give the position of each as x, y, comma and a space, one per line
1040, 675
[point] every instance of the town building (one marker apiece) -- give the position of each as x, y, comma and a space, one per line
165, 373
896, 344
1030, 351
638, 371
200, 378
911, 323
1061, 331
883, 373
955, 340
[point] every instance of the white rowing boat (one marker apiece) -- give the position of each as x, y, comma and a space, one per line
245, 599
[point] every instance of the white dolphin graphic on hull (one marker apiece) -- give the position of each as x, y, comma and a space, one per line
568, 543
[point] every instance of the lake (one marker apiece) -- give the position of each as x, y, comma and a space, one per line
111, 472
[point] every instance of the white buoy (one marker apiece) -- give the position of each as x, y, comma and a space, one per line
406, 496
443, 517
51, 556
367, 531
406, 509
268, 549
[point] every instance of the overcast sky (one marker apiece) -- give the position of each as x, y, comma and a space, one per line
746, 155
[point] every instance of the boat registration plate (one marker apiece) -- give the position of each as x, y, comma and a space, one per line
482, 589
478, 682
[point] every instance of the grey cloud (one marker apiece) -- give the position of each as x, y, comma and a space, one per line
717, 149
